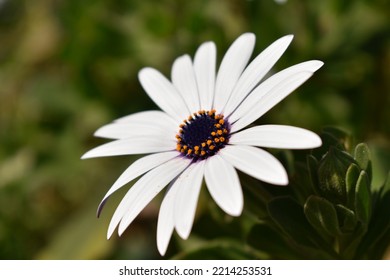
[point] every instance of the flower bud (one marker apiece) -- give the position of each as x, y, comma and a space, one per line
331, 175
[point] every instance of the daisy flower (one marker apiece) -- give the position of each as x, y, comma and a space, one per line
200, 134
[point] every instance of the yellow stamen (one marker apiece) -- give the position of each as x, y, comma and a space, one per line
202, 153
213, 133
221, 121
222, 139
211, 147
203, 144
196, 148
219, 132
212, 112
189, 151
209, 142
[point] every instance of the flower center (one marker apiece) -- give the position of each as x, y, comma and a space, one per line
202, 135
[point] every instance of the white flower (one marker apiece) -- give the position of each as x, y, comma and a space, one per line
210, 143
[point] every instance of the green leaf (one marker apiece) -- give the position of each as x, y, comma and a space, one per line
337, 132
377, 238
363, 198
331, 174
363, 158
347, 219
289, 216
322, 215
351, 179
335, 136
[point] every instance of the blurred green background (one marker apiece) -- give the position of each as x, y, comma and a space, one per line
68, 67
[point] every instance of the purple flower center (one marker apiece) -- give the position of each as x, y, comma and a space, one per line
202, 135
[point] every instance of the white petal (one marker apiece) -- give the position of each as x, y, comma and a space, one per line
137, 145
147, 123
224, 186
271, 92
256, 163
189, 185
148, 116
183, 78
144, 190
204, 66
277, 136
232, 65
157, 128
256, 71
165, 223
163, 93
137, 168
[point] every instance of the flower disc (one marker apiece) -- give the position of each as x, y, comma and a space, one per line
202, 135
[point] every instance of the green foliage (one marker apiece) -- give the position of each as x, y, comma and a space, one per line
333, 226
322, 215
331, 174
